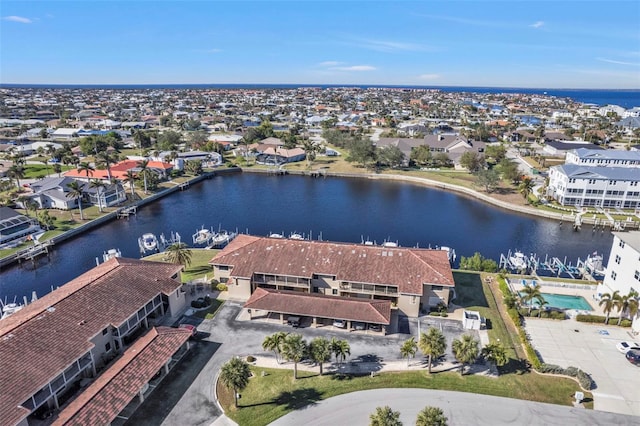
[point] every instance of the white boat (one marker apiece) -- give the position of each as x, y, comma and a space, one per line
110, 254
296, 236
518, 261
202, 236
276, 235
222, 238
593, 264
390, 244
148, 242
9, 309
451, 253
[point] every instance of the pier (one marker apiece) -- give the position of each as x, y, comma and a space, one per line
126, 212
33, 252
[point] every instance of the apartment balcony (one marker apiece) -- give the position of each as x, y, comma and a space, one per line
282, 282
381, 290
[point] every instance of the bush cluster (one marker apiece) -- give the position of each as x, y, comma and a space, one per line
438, 314
557, 315
584, 379
599, 319
222, 287
251, 358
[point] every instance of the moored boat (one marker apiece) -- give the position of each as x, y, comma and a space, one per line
148, 242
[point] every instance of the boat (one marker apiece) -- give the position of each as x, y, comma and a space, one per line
9, 309
148, 242
593, 264
390, 244
222, 238
451, 253
203, 236
518, 261
110, 254
367, 242
276, 235
296, 236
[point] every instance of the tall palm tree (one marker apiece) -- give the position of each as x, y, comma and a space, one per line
624, 303
235, 375
385, 416
16, 172
86, 167
178, 253
466, 350
130, 178
99, 186
432, 344
310, 149
142, 165
525, 188
340, 348
106, 159
320, 351
608, 302
274, 343
495, 352
76, 191
409, 348
531, 293
431, 416
294, 348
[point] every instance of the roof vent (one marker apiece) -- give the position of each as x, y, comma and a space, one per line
51, 309
384, 254
83, 322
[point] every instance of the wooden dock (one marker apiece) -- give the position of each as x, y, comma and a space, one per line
126, 212
33, 252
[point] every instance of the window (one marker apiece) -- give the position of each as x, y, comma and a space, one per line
105, 331
413, 300
334, 291
637, 275
617, 259
437, 287
107, 347
315, 289
621, 244
614, 275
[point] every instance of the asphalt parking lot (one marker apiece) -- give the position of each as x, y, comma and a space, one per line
592, 348
186, 395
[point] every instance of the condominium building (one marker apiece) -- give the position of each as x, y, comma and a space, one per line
51, 349
603, 158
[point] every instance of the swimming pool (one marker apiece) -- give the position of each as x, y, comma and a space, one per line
564, 301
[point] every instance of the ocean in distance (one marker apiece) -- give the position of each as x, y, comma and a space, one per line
626, 98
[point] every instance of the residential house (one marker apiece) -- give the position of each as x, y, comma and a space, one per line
560, 149
69, 336
15, 227
279, 155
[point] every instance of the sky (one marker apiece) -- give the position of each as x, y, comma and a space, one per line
536, 44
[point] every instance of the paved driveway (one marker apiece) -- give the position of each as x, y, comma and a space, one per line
592, 348
186, 396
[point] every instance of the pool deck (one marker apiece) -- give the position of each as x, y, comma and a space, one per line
588, 292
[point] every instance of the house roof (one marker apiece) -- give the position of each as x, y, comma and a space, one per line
112, 391
45, 337
607, 154
632, 238
408, 269
318, 305
599, 173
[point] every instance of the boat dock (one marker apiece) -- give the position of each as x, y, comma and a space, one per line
550, 266
33, 252
126, 212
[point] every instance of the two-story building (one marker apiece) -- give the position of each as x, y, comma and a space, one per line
603, 158
332, 280
52, 348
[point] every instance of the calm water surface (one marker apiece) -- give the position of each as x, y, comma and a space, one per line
335, 209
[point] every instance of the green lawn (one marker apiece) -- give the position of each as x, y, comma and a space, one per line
276, 394
34, 171
211, 311
199, 267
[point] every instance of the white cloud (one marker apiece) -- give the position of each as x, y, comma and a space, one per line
355, 68
612, 61
429, 76
215, 50
386, 45
19, 19
329, 63
538, 24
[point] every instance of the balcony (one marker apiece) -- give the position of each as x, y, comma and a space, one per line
278, 282
369, 289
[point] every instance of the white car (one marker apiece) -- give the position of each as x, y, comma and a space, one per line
625, 347
339, 323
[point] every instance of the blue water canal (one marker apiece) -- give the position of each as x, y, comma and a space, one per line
335, 209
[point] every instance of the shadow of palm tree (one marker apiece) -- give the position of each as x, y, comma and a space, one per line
298, 398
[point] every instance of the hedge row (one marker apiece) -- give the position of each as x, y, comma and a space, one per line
584, 379
557, 315
599, 319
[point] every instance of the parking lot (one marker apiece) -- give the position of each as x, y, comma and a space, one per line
592, 348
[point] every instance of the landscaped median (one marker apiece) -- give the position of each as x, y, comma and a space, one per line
272, 393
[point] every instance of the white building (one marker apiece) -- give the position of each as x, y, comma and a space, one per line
575, 185
623, 268
603, 157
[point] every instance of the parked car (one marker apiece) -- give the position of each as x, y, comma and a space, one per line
293, 321
359, 325
375, 327
633, 355
624, 347
339, 323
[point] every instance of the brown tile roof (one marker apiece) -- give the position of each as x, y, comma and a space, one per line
112, 391
318, 305
406, 268
45, 337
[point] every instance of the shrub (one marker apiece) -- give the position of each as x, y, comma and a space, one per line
444, 314
583, 378
197, 304
532, 355
625, 323
251, 358
207, 300
557, 315
222, 287
590, 318
434, 314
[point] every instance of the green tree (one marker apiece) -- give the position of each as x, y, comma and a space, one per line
106, 159
142, 139
608, 302
441, 159
87, 168
509, 170
421, 155
465, 350
495, 152
488, 179
477, 262
496, 353
294, 348
472, 161
57, 168
409, 348
167, 141
531, 293
179, 254
131, 178
431, 416
626, 303
274, 343
16, 172
99, 186
45, 220
193, 167
362, 151
525, 188
432, 344
142, 165
390, 156
76, 192
235, 375
385, 416
320, 351
340, 348
310, 149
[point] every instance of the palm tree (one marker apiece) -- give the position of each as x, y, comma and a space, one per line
465, 350
87, 168
99, 186
106, 159
274, 343
320, 351
178, 253
235, 375
495, 352
431, 416
624, 302
525, 188
340, 348
16, 171
529, 294
385, 416
76, 191
130, 178
294, 348
310, 149
142, 165
432, 344
609, 302
408, 349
